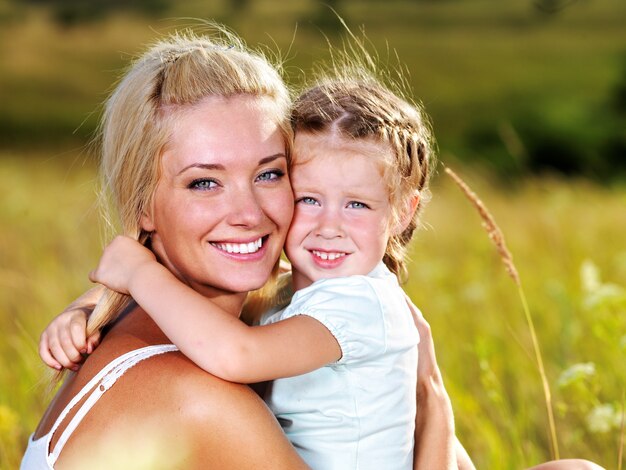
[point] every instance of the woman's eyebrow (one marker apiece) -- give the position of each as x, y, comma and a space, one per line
204, 166
271, 158
217, 166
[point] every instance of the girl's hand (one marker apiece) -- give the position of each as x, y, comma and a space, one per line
64, 342
119, 262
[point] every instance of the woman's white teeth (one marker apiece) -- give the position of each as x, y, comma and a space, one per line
329, 256
245, 248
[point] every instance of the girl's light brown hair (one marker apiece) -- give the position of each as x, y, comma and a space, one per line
353, 104
175, 73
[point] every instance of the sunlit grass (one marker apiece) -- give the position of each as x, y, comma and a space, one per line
567, 243
567, 240
497, 238
49, 238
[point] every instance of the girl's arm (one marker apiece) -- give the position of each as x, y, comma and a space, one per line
64, 341
215, 340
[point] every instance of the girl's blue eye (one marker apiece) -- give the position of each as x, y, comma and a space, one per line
203, 184
308, 201
357, 205
271, 175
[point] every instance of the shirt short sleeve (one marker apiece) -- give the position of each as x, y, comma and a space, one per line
351, 310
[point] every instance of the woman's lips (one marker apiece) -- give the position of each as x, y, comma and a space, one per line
248, 251
243, 248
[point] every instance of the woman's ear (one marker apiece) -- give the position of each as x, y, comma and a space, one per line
407, 213
147, 222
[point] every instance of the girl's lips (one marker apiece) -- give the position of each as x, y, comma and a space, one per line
328, 255
328, 259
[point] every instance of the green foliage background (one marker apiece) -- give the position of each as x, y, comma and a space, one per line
528, 101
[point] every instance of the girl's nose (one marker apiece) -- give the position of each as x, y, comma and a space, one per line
330, 224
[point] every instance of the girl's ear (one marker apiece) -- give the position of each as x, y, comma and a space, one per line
407, 213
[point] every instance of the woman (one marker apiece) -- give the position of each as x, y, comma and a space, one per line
187, 105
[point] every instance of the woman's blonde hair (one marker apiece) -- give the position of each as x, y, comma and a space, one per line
353, 104
176, 72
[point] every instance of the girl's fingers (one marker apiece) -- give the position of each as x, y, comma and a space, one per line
67, 343
57, 350
92, 342
78, 335
59, 355
44, 353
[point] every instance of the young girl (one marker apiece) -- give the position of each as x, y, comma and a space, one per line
342, 355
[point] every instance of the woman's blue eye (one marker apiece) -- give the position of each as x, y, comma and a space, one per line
357, 205
203, 184
271, 175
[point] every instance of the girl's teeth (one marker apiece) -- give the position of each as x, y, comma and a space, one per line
328, 256
243, 248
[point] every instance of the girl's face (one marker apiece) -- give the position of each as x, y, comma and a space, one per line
223, 202
342, 217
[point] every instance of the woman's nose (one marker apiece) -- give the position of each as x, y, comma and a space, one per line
245, 209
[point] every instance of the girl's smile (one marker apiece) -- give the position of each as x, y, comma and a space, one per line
328, 260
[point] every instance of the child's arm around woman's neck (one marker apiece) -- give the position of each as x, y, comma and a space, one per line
216, 340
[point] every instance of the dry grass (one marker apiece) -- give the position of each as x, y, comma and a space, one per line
497, 237
51, 239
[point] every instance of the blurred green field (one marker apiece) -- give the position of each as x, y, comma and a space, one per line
568, 242
479, 67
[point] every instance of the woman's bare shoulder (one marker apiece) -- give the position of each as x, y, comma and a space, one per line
169, 410
212, 419
228, 424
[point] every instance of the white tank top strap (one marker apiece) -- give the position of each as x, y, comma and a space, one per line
103, 380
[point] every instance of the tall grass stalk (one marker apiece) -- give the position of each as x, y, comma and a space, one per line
620, 452
497, 237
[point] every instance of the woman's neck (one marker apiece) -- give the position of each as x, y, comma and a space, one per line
229, 302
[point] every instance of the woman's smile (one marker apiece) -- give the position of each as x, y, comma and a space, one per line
255, 247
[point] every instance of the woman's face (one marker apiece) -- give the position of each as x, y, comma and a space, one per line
223, 203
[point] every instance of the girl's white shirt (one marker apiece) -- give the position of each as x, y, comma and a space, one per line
359, 412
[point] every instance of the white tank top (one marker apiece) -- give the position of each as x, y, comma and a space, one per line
38, 455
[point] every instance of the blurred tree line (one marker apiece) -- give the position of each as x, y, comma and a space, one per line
590, 141
71, 12
526, 135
